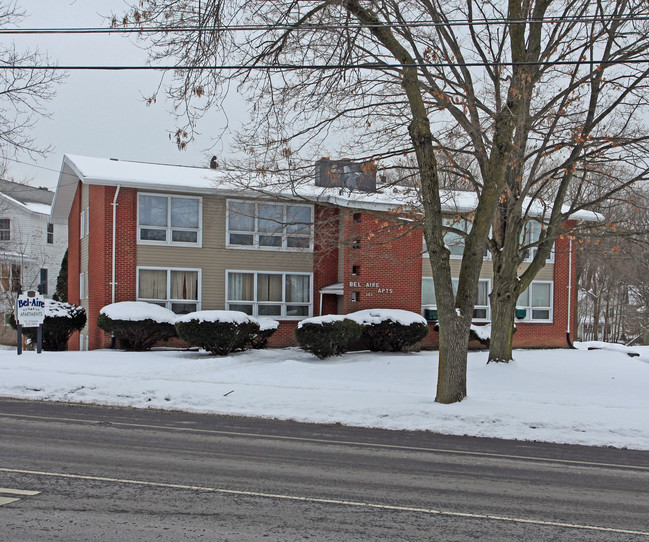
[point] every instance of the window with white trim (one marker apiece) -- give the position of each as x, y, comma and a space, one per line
279, 295
82, 224
169, 220
481, 310
176, 289
50, 233
530, 236
5, 229
536, 303
455, 241
82, 285
269, 226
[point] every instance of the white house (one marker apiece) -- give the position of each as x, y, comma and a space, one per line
31, 247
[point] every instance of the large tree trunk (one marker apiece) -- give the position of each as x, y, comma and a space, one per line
451, 379
503, 308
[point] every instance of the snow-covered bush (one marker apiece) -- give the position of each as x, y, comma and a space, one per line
325, 336
267, 326
391, 330
137, 325
61, 320
482, 334
220, 332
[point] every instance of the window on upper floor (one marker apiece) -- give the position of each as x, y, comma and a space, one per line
455, 240
481, 310
276, 294
84, 223
50, 233
42, 283
269, 226
530, 236
5, 229
175, 289
169, 220
535, 303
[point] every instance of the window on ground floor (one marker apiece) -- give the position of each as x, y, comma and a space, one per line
481, 311
535, 303
175, 289
273, 294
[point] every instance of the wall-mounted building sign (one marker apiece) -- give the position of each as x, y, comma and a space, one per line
375, 287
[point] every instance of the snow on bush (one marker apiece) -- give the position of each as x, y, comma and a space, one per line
139, 310
137, 325
391, 330
376, 316
326, 336
267, 326
219, 332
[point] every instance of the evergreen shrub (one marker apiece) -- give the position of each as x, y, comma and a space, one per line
391, 330
267, 327
327, 336
219, 332
137, 325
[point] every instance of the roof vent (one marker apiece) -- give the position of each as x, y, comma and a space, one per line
345, 174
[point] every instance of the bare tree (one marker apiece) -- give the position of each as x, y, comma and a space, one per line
613, 269
448, 82
26, 85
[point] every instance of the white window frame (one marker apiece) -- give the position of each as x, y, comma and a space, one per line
529, 309
486, 307
256, 233
169, 229
49, 233
82, 224
168, 301
255, 303
449, 223
82, 286
6, 232
527, 240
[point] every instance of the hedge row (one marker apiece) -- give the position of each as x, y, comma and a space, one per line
138, 326
379, 330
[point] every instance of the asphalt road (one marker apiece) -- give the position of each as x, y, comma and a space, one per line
71, 472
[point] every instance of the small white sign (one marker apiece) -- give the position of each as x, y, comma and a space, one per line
30, 309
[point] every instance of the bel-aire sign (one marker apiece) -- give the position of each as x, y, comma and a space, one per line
30, 309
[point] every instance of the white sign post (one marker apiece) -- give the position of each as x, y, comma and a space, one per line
30, 312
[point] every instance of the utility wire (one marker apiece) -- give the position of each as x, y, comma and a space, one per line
322, 26
322, 67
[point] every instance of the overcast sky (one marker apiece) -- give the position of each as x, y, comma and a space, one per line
102, 113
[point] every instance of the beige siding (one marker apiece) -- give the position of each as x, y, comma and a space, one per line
84, 252
213, 258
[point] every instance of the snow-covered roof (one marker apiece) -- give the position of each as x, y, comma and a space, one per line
146, 176
33, 199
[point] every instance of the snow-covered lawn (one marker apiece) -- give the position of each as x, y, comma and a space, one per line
597, 397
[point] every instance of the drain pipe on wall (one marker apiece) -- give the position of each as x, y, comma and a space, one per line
570, 345
113, 283
114, 241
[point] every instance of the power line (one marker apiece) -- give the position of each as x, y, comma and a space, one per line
323, 67
322, 26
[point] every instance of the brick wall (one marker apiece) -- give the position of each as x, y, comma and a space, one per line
100, 255
388, 262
